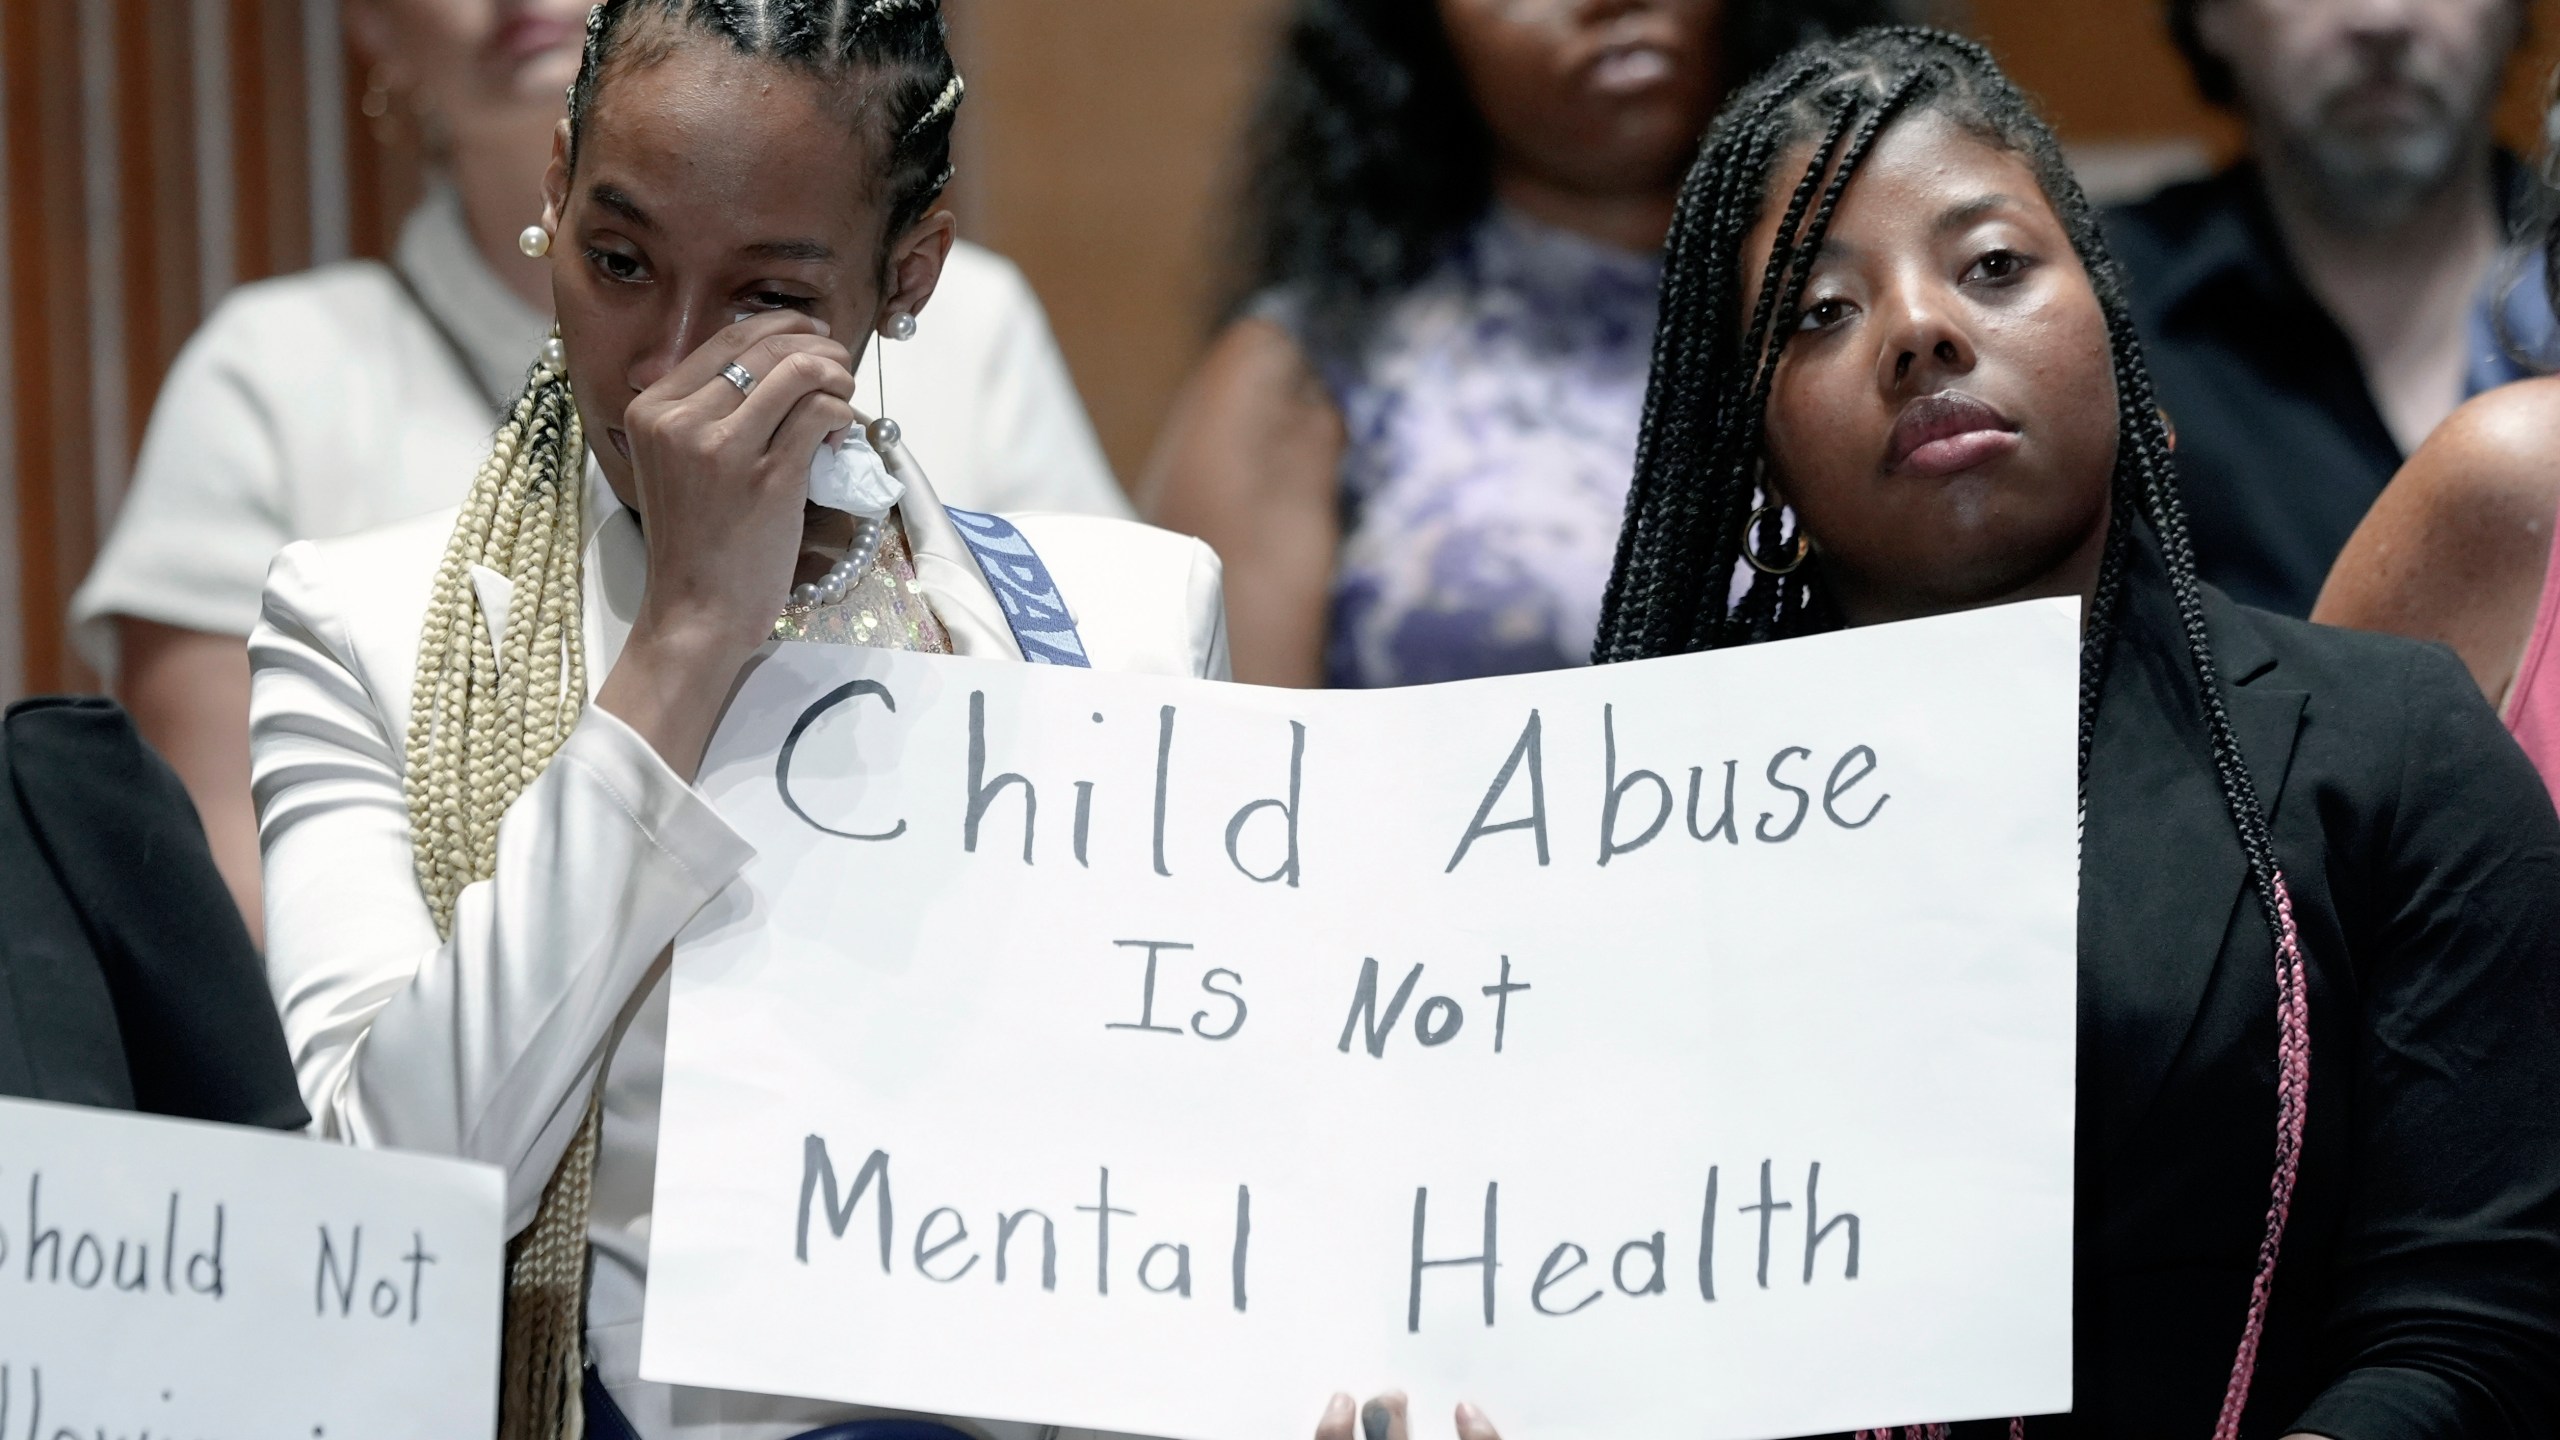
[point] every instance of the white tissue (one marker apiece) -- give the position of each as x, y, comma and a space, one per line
850, 476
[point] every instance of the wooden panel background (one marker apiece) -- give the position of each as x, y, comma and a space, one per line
154, 153
157, 153
1098, 149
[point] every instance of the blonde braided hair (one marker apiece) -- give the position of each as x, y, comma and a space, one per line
483, 725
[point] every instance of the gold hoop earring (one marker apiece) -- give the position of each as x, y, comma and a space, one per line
1751, 557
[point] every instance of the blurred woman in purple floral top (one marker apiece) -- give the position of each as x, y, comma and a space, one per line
1411, 445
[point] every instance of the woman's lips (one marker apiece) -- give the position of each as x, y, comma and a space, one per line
1628, 69
1959, 453
1948, 433
621, 442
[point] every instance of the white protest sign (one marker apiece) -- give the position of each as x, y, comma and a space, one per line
1679, 1048
163, 1277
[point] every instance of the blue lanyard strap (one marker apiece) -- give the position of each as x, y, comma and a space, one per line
1032, 606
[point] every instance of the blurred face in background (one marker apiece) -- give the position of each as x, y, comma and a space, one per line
474, 72
2373, 104
1598, 97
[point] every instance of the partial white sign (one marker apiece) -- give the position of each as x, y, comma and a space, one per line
1678, 1048
161, 1277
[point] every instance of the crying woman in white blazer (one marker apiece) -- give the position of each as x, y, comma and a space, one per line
474, 734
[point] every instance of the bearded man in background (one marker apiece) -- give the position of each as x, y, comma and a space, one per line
2314, 311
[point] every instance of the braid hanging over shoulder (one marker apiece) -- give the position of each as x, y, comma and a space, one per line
485, 721
1699, 461
487, 718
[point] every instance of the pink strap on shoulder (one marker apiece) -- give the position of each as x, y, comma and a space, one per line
2533, 703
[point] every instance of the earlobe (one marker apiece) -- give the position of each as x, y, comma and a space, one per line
555, 178
915, 266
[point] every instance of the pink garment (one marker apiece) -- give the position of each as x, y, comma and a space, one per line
2533, 702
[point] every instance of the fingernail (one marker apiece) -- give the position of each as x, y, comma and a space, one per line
1468, 1414
824, 328
1374, 1420
1337, 1410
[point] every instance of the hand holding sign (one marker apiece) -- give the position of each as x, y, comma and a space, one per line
1680, 1047
1384, 1419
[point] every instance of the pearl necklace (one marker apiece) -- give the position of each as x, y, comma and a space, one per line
846, 573
869, 533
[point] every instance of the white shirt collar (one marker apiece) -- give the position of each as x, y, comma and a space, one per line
499, 332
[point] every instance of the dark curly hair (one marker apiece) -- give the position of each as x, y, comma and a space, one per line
1696, 501
1366, 157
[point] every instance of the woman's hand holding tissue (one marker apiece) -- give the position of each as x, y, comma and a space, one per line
847, 474
721, 474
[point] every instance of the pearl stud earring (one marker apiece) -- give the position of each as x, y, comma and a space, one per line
534, 241
902, 326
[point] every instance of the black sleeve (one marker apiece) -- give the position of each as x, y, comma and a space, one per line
201, 1034
2447, 1313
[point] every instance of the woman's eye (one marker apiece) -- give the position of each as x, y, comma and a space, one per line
2000, 265
616, 266
1823, 314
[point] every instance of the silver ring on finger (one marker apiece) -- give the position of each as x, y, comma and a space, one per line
738, 375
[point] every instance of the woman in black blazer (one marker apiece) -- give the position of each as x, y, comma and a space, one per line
2312, 860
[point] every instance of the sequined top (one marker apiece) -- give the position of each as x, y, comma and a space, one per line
885, 611
1492, 419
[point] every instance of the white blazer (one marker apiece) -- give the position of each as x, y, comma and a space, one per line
486, 1045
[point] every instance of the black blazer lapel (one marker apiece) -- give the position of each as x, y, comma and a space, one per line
2161, 870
